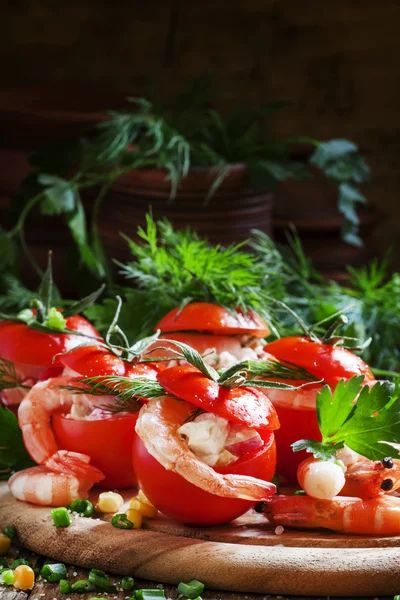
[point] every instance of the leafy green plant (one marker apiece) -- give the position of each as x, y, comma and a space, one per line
190, 134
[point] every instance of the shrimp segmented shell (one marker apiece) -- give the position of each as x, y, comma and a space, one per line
157, 427
66, 477
378, 516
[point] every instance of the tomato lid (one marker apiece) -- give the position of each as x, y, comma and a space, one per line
325, 361
248, 406
20, 343
213, 318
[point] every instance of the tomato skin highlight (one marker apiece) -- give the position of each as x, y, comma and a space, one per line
248, 406
21, 344
213, 318
108, 442
183, 501
325, 361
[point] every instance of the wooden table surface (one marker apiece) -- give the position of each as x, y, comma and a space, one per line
50, 591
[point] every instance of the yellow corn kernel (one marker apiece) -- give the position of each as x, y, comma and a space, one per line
109, 502
135, 516
24, 578
5, 544
143, 498
147, 510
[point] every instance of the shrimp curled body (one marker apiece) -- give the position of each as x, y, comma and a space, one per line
157, 427
378, 516
61, 476
67, 478
358, 476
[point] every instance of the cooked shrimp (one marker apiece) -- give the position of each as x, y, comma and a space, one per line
36, 410
355, 476
157, 427
378, 516
66, 477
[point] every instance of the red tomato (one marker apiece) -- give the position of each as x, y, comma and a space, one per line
199, 341
185, 502
108, 442
327, 362
35, 350
296, 425
324, 361
248, 406
213, 318
93, 361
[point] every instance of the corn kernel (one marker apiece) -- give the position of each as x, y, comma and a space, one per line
5, 544
135, 516
143, 498
147, 510
109, 502
24, 578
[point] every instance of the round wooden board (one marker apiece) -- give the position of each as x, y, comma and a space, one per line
245, 556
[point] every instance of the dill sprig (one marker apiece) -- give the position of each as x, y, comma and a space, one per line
128, 392
8, 376
273, 368
177, 267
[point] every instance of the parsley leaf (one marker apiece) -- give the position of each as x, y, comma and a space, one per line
365, 419
320, 450
13, 456
333, 410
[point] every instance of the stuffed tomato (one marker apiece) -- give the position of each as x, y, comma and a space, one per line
204, 454
34, 354
297, 409
87, 428
227, 336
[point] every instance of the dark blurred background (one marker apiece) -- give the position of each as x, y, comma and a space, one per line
339, 63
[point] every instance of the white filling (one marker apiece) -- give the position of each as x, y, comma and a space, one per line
209, 437
323, 480
206, 437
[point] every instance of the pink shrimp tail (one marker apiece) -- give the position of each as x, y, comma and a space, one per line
74, 463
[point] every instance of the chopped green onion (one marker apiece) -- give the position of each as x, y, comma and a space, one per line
54, 573
8, 576
191, 590
299, 493
121, 521
127, 583
20, 561
83, 507
99, 579
61, 517
148, 594
10, 531
65, 586
83, 585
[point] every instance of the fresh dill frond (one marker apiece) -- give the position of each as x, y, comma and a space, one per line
8, 376
177, 267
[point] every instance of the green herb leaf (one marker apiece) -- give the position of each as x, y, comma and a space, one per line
333, 409
318, 449
374, 424
78, 307
191, 356
59, 195
13, 456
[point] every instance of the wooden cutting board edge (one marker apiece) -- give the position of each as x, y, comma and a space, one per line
220, 565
